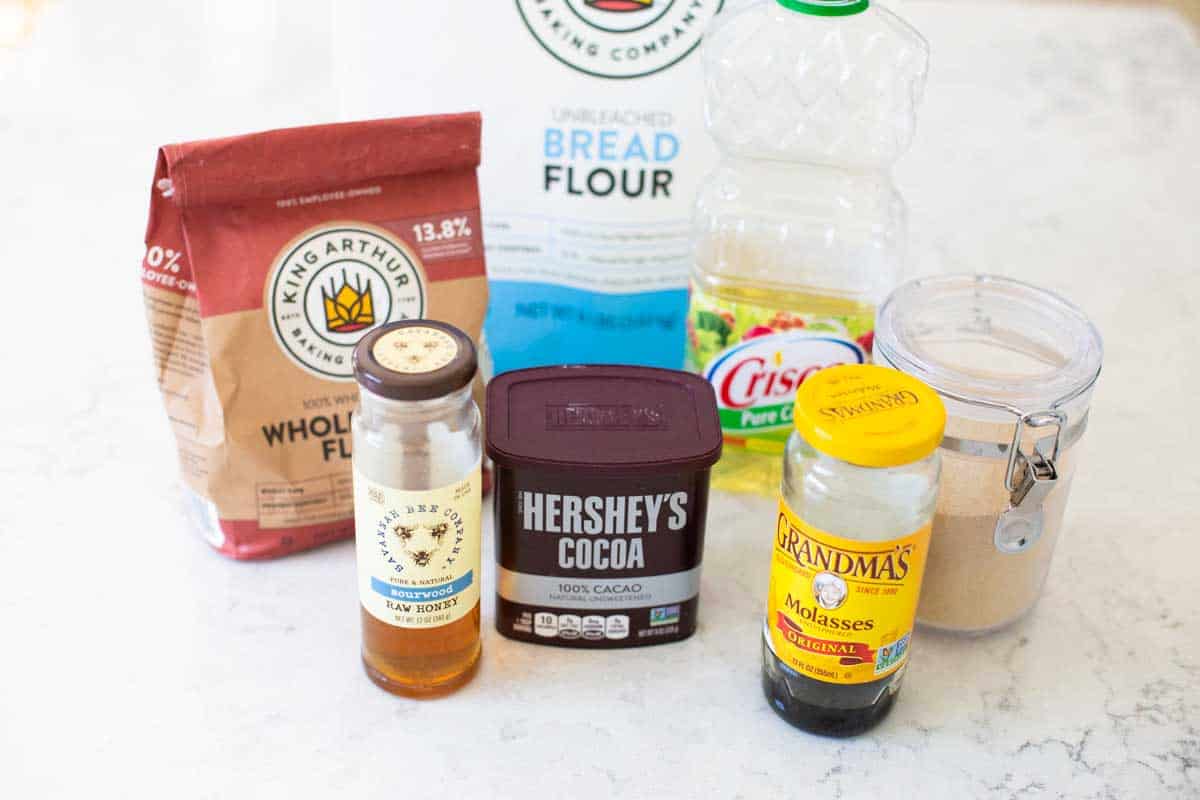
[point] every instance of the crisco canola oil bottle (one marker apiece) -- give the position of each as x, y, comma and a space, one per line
799, 231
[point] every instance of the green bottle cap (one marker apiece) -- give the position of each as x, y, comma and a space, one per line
826, 8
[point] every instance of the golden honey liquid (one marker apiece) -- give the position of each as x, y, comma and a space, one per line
421, 662
752, 461
414, 461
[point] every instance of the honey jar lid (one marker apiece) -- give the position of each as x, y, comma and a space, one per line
870, 416
415, 360
603, 419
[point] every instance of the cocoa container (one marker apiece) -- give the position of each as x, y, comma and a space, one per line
602, 479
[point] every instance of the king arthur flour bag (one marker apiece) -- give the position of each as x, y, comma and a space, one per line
267, 258
594, 149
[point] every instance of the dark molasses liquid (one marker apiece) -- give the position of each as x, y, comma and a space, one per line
828, 709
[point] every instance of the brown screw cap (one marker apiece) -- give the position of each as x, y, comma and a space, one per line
419, 359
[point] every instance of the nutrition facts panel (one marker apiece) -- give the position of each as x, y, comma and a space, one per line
592, 627
283, 505
588, 254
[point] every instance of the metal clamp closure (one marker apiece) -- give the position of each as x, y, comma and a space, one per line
1029, 480
973, 447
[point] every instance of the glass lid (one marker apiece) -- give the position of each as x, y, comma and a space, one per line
990, 340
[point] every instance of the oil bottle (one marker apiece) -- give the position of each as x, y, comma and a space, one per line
799, 232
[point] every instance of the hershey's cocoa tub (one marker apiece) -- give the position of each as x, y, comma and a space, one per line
601, 496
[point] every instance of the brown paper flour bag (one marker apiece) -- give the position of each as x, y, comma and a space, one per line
268, 257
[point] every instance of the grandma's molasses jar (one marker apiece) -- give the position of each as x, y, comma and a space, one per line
860, 484
417, 506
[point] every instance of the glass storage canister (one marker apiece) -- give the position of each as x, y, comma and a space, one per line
1016, 366
860, 482
417, 506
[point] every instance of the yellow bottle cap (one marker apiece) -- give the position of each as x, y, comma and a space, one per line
870, 416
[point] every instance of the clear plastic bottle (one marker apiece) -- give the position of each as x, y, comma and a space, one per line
799, 232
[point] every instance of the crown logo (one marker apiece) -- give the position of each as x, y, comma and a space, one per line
620, 5
349, 308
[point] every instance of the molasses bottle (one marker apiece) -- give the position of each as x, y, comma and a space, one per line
856, 505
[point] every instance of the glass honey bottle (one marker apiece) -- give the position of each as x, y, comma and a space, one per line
417, 501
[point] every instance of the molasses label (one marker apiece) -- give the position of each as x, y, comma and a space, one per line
842, 610
418, 551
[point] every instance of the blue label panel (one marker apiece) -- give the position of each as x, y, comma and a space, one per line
540, 324
423, 593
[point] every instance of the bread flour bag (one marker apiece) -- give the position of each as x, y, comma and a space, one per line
594, 149
268, 257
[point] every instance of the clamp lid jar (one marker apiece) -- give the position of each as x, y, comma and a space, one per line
1016, 366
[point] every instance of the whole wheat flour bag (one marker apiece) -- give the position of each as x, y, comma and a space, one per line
594, 150
267, 258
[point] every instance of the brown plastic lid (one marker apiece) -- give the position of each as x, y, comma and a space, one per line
418, 359
603, 419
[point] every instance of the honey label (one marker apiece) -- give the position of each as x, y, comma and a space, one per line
842, 610
418, 551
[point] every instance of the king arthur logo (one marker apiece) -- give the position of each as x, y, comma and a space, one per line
348, 309
332, 284
619, 38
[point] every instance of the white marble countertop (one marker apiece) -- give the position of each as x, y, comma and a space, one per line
1058, 143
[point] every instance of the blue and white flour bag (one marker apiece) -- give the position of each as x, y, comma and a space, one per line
594, 147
